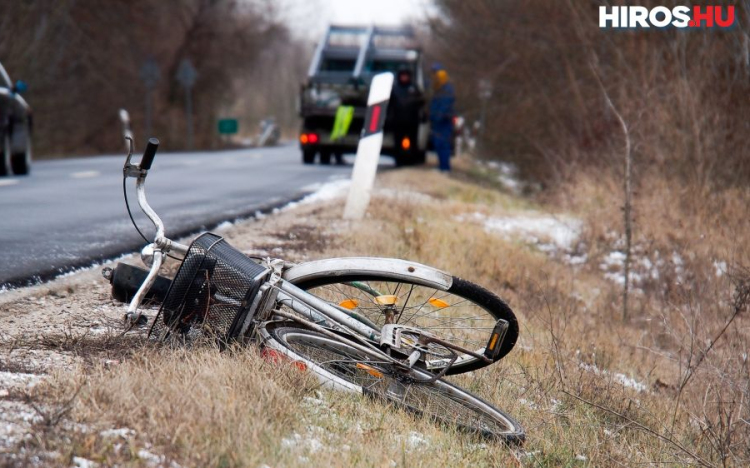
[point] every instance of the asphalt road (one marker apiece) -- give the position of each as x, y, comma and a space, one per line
70, 213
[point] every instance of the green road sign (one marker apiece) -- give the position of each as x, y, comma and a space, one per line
228, 126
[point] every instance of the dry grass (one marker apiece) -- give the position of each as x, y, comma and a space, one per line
564, 380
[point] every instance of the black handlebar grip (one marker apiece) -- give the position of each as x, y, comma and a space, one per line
148, 155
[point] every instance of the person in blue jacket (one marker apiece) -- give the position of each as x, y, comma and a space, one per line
441, 116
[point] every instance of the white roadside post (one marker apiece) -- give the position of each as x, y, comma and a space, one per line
368, 150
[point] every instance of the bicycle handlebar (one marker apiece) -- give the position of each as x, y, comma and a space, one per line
149, 154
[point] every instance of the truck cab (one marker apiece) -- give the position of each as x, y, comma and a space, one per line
333, 99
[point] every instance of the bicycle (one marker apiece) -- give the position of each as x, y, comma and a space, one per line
386, 328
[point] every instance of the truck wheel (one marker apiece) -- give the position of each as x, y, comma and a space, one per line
325, 157
339, 159
308, 156
5, 165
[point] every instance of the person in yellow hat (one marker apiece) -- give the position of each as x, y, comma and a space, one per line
441, 116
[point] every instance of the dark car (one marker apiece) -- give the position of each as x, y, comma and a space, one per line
15, 127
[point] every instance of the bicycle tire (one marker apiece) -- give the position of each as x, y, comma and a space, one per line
478, 297
341, 365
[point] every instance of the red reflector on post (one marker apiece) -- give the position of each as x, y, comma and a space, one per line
375, 118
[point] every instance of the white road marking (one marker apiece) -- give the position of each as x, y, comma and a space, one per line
85, 174
4, 182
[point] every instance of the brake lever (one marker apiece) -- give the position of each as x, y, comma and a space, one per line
131, 170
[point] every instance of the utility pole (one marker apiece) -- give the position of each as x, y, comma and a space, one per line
187, 75
150, 75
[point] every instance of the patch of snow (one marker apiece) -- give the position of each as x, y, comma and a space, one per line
28, 380
226, 225
630, 382
642, 267
416, 440
297, 440
563, 232
16, 419
615, 258
622, 379
507, 175
559, 232
528, 403
720, 267
122, 432
80, 462
314, 401
575, 259
322, 192
154, 460
556, 404
581, 457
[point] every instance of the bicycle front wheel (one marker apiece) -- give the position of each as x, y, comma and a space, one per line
410, 389
463, 313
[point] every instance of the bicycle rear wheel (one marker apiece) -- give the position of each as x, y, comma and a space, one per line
411, 389
464, 314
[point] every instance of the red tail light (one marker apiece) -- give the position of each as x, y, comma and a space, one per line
312, 138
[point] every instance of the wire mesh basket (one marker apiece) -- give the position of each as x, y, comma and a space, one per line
211, 295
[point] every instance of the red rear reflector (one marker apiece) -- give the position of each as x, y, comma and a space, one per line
275, 357
272, 355
313, 138
375, 118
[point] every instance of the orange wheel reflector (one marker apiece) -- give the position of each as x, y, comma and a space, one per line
350, 304
370, 370
406, 143
493, 341
386, 300
439, 303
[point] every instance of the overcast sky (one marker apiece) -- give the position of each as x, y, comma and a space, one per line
310, 17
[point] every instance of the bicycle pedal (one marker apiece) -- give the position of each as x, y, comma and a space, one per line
399, 336
495, 343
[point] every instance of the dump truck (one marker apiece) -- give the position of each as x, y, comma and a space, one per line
333, 98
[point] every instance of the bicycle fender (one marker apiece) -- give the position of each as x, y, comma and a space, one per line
352, 266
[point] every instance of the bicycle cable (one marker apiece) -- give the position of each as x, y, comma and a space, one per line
130, 213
